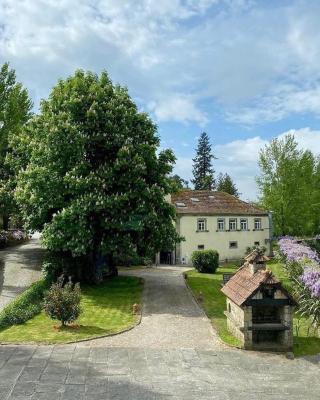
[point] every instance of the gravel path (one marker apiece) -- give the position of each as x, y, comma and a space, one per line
170, 316
19, 267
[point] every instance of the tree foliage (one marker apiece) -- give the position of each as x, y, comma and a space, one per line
179, 183
226, 184
290, 187
15, 110
94, 182
203, 172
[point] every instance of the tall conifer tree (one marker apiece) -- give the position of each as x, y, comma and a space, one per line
203, 171
226, 184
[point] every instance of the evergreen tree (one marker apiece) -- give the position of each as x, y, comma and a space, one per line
15, 110
179, 182
203, 171
226, 184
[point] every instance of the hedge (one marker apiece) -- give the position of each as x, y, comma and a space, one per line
206, 261
25, 306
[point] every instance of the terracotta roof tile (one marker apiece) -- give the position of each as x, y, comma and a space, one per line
206, 202
243, 284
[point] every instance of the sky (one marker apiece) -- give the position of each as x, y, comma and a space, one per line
244, 71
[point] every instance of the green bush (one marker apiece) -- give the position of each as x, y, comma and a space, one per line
206, 261
25, 306
63, 302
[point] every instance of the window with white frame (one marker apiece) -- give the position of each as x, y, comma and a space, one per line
201, 224
200, 246
257, 224
232, 224
244, 224
221, 224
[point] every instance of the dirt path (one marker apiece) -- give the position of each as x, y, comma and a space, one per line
170, 317
19, 267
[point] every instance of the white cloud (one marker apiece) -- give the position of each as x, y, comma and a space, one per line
239, 159
258, 63
179, 108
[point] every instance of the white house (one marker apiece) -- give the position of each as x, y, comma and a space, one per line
217, 220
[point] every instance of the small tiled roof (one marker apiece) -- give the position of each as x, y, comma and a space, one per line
244, 284
205, 202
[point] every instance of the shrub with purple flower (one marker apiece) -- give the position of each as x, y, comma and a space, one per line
18, 235
311, 279
296, 252
303, 268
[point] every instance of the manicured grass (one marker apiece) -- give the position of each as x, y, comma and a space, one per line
304, 343
213, 300
214, 304
106, 309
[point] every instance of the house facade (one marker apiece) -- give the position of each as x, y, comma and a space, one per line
217, 220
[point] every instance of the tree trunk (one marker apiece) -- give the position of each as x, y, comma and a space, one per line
5, 223
113, 270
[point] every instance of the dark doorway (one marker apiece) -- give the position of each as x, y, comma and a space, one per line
165, 257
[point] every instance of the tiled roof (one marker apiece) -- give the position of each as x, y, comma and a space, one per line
244, 284
206, 202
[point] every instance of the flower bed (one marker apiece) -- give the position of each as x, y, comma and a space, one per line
303, 268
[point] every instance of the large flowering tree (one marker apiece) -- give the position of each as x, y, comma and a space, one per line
94, 182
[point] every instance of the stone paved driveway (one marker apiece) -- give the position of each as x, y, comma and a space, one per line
171, 317
19, 267
76, 372
174, 354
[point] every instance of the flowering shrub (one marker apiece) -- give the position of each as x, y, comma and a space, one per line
63, 302
18, 235
3, 238
303, 267
311, 279
296, 252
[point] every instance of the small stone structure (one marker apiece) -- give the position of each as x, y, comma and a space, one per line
259, 309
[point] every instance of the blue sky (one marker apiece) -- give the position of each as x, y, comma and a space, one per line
244, 71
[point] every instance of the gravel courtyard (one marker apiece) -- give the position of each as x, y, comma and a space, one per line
173, 354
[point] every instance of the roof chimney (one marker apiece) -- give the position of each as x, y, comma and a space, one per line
256, 260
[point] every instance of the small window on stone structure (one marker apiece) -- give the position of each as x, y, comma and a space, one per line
257, 224
233, 245
200, 246
244, 224
232, 224
202, 224
220, 224
229, 308
257, 243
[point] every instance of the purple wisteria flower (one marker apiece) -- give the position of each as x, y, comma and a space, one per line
311, 279
296, 252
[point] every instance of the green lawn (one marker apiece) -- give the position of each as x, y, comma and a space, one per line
107, 309
214, 304
304, 344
